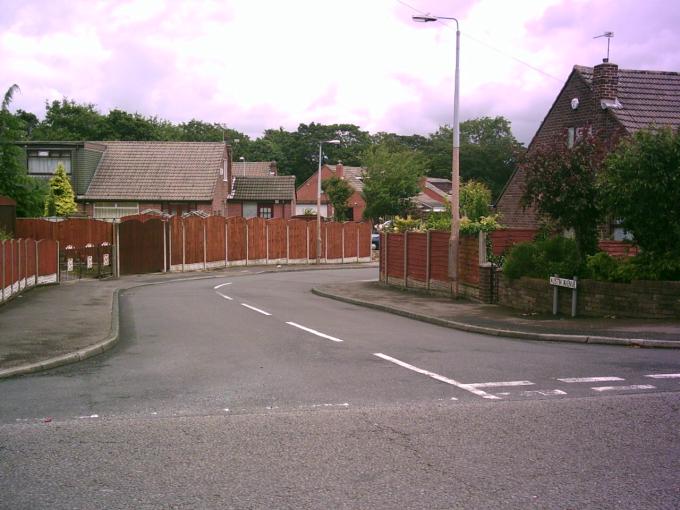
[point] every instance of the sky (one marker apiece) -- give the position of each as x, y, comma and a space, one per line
259, 64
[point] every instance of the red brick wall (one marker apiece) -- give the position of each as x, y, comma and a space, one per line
306, 194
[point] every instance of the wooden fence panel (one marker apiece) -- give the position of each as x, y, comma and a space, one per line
141, 246
365, 230
214, 226
30, 264
334, 239
175, 248
468, 260
351, 230
35, 228
257, 239
6, 261
416, 268
439, 256
277, 239
79, 232
236, 238
311, 229
297, 231
502, 240
193, 238
47, 260
395, 257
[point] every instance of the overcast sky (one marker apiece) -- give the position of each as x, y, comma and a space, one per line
257, 64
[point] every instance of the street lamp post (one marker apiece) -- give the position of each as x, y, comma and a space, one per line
455, 166
318, 200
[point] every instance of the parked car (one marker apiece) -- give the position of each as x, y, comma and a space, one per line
375, 241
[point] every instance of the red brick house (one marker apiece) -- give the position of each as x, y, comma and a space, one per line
271, 196
434, 195
612, 102
306, 192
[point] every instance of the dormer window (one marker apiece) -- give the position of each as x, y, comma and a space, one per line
44, 162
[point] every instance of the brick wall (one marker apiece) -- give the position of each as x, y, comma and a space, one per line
640, 299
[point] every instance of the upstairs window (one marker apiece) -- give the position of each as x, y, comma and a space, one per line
45, 162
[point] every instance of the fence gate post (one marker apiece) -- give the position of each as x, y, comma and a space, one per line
406, 259
25, 263
165, 245
427, 260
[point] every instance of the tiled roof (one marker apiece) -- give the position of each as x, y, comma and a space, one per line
157, 171
252, 168
279, 187
424, 201
646, 97
440, 186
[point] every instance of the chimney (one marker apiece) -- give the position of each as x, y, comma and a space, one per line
340, 170
605, 81
273, 168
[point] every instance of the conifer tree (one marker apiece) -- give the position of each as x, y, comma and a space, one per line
60, 199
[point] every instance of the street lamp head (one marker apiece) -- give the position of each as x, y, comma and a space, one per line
334, 142
241, 158
424, 18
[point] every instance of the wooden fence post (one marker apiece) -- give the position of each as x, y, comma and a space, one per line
406, 259
387, 278
170, 244
184, 246
58, 268
164, 224
205, 245
307, 233
325, 235
2, 269
343, 242
37, 260
266, 238
427, 260
25, 263
226, 243
358, 246
246, 242
287, 243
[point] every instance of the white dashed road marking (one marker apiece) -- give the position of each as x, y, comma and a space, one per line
545, 393
225, 297
623, 388
590, 379
453, 382
314, 332
664, 376
221, 285
502, 383
256, 309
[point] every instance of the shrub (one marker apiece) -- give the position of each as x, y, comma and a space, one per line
644, 266
544, 258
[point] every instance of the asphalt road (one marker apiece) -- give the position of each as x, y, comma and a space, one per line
258, 394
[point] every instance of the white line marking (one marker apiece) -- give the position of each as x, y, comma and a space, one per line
225, 297
453, 382
590, 379
503, 383
256, 309
221, 285
664, 376
314, 332
631, 387
545, 393
345, 404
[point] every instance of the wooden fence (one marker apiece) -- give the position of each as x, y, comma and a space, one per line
74, 232
147, 244
25, 263
420, 260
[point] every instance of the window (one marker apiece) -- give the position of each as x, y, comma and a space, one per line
45, 162
178, 208
265, 211
576, 134
115, 210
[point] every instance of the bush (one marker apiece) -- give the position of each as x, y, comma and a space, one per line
644, 266
542, 259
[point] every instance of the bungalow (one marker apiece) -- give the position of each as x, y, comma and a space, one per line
612, 102
271, 196
112, 179
307, 191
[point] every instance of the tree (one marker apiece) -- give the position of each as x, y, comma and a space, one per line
475, 200
561, 184
640, 185
60, 199
67, 120
14, 182
390, 180
489, 151
338, 191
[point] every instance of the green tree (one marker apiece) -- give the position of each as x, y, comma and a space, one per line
14, 181
67, 120
489, 151
390, 180
338, 191
475, 200
561, 185
640, 184
60, 199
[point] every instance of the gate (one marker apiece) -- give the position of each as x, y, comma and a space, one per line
141, 246
89, 261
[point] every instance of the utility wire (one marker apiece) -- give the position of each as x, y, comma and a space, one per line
483, 43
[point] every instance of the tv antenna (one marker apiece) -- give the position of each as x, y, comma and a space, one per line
609, 36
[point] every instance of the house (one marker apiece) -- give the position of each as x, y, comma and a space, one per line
612, 102
254, 168
112, 179
434, 194
307, 191
271, 196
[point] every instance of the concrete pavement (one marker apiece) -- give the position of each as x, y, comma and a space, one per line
56, 325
